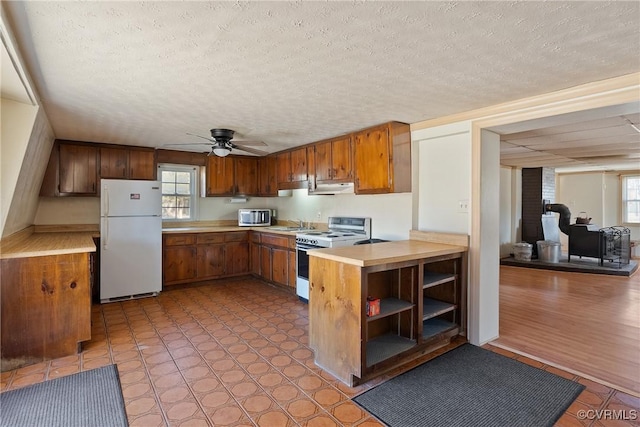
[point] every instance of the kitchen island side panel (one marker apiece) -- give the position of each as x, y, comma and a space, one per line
335, 327
46, 308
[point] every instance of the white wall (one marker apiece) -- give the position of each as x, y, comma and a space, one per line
506, 212
596, 193
484, 294
442, 178
390, 213
16, 122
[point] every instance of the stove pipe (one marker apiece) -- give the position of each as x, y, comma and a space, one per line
565, 216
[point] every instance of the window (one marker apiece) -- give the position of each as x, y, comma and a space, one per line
631, 199
179, 193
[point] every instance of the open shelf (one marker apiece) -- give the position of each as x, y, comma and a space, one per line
386, 346
434, 279
389, 306
436, 326
433, 307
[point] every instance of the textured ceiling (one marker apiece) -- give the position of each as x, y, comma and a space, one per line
290, 73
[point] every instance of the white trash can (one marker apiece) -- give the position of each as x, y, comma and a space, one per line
522, 251
548, 251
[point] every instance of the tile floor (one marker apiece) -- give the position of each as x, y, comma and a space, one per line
235, 353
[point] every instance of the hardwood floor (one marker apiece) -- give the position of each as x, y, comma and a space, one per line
585, 323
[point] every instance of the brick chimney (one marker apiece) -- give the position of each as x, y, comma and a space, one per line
538, 187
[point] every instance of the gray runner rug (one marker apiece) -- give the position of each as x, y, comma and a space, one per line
470, 386
89, 398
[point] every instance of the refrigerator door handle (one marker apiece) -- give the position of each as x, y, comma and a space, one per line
106, 200
105, 239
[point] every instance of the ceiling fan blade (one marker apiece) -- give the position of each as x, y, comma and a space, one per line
199, 136
253, 143
186, 143
250, 150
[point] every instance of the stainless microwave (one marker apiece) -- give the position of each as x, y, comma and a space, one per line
254, 217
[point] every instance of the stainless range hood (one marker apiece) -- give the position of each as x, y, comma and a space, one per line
343, 188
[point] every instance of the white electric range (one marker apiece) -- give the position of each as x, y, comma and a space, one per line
343, 231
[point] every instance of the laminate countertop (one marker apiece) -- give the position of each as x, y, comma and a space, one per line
44, 244
52, 242
226, 228
386, 253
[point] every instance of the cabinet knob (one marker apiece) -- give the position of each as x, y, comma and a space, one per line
73, 285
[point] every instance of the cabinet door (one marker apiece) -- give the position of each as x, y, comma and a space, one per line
254, 258
284, 167
78, 169
265, 262
372, 161
142, 164
299, 165
210, 261
246, 175
114, 162
220, 176
322, 160
179, 263
341, 164
292, 269
267, 180
236, 258
280, 263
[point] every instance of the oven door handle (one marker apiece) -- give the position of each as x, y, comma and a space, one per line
303, 247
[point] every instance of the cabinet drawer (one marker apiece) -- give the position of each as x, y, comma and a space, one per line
255, 236
239, 236
292, 242
273, 240
207, 238
179, 240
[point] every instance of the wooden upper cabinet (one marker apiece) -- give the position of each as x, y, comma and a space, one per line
78, 174
231, 175
322, 161
267, 180
125, 163
220, 176
292, 169
283, 161
142, 164
246, 176
114, 162
382, 159
299, 164
333, 160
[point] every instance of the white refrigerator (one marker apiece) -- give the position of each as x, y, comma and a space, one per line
130, 239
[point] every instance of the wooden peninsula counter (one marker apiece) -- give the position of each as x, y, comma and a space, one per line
421, 284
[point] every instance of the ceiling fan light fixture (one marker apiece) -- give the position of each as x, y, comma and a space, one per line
221, 151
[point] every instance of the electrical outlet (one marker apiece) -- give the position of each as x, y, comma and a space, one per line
463, 206
319, 215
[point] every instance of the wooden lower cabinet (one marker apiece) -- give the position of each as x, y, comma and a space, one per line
193, 257
273, 258
280, 266
236, 258
211, 260
265, 263
45, 308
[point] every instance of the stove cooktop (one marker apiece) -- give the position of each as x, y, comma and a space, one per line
342, 231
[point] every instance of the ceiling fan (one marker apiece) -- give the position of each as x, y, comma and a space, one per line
221, 145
